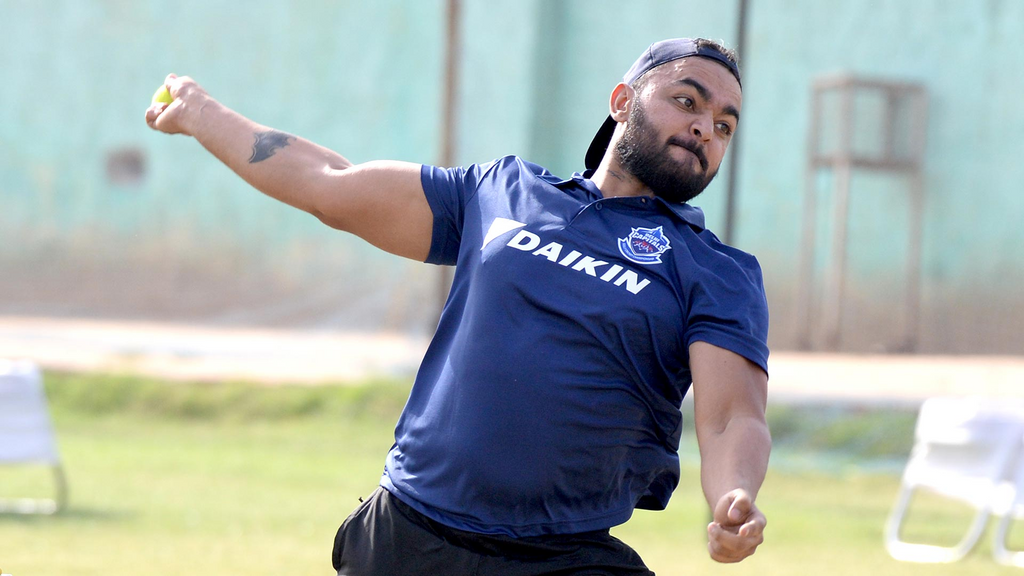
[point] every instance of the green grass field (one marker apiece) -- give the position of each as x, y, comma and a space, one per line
235, 478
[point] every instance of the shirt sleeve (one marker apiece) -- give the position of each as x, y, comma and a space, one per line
728, 307
448, 190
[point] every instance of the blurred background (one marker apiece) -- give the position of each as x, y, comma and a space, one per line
876, 175
103, 218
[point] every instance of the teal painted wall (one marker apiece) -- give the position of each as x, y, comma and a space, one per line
968, 56
190, 241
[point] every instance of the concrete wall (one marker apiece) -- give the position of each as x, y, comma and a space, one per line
188, 240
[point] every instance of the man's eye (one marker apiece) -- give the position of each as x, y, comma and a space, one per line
725, 128
685, 101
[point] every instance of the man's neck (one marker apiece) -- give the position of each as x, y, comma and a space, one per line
614, 181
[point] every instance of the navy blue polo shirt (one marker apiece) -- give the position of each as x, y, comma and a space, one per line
548, 400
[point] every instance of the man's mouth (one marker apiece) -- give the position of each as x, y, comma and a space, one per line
694, 149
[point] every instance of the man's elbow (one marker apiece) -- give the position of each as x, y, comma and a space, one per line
327, 199
752, 429
332, 221
757, 425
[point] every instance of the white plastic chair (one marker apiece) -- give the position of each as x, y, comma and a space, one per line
1013, 511
26, 434
964, 449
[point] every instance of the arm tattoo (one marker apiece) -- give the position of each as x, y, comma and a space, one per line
267, 143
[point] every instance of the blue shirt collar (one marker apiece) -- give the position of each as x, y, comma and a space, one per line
692, 215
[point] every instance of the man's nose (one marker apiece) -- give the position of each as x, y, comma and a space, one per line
702, 128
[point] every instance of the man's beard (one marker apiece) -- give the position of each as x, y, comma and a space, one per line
649, 161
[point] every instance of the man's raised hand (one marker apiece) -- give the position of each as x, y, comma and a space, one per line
176, 117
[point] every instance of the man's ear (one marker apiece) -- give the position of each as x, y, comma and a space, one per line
621, 101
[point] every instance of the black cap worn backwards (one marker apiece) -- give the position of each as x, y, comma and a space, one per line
655, 55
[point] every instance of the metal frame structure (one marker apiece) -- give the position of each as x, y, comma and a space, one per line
449, 125
842, 162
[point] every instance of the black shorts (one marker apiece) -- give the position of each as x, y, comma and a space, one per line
386, 537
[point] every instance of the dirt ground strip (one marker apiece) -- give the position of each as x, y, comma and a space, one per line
181, 351
186, 352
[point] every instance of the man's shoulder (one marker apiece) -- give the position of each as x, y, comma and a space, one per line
512, 175
718, 259
742, 258
512, 164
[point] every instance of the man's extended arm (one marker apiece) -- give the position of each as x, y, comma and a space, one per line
730, 394
381, 202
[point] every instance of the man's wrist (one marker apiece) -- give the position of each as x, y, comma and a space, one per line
196, 106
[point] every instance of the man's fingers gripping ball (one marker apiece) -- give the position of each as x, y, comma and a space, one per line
165, 109
158, 103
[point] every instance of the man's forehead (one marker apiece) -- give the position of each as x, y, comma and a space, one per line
712, 75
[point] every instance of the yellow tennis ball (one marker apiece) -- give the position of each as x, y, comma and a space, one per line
162, 95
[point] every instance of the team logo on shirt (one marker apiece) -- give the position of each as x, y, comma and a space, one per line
565, 256
644, 245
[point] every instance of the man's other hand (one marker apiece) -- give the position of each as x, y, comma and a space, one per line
737, 529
